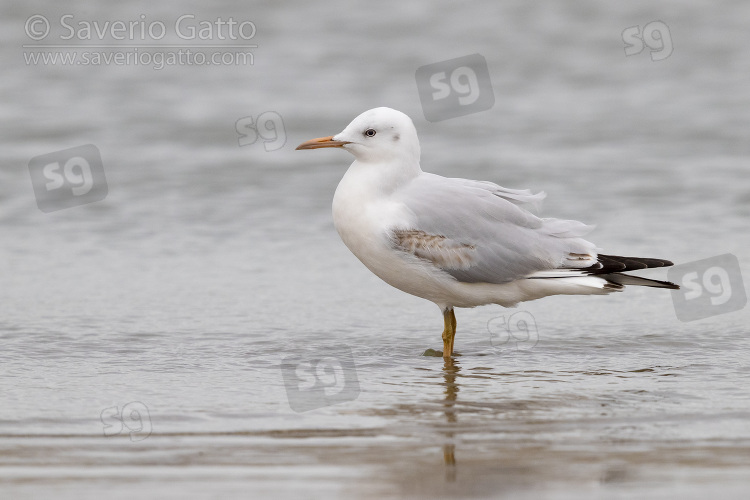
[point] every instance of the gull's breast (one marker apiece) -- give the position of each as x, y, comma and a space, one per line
365, 224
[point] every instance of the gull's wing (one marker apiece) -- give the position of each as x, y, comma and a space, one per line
480, 232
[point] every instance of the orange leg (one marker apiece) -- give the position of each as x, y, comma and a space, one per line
449, 332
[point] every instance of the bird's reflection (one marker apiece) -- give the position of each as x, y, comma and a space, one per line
450, 371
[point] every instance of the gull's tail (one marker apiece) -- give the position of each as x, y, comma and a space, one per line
606, 275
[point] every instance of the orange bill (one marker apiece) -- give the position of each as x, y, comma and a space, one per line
322, 142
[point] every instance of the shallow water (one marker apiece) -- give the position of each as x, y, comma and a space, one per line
210, 269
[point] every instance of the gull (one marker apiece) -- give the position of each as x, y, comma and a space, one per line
458, 242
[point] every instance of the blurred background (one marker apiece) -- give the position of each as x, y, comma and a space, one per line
143, 335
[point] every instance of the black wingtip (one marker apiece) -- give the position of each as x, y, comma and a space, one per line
629, 279
614, 265
617, 264
666, 284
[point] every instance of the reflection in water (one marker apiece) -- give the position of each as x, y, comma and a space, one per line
450, 370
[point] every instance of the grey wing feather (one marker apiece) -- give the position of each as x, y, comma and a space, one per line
480, 232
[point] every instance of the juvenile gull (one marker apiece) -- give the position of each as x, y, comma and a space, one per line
458, 242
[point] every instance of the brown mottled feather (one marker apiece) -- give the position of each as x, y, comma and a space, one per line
441, 251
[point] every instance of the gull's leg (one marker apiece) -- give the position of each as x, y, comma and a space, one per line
449, 331
453, 329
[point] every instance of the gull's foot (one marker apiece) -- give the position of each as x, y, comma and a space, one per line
437, 354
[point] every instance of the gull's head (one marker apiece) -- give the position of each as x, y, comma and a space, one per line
377, 135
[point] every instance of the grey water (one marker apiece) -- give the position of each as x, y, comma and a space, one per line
202, 332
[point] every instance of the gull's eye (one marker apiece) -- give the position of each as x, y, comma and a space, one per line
370, 132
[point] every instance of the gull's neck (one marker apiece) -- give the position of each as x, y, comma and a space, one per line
379, 179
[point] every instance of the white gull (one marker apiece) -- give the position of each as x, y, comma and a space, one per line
458, 242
